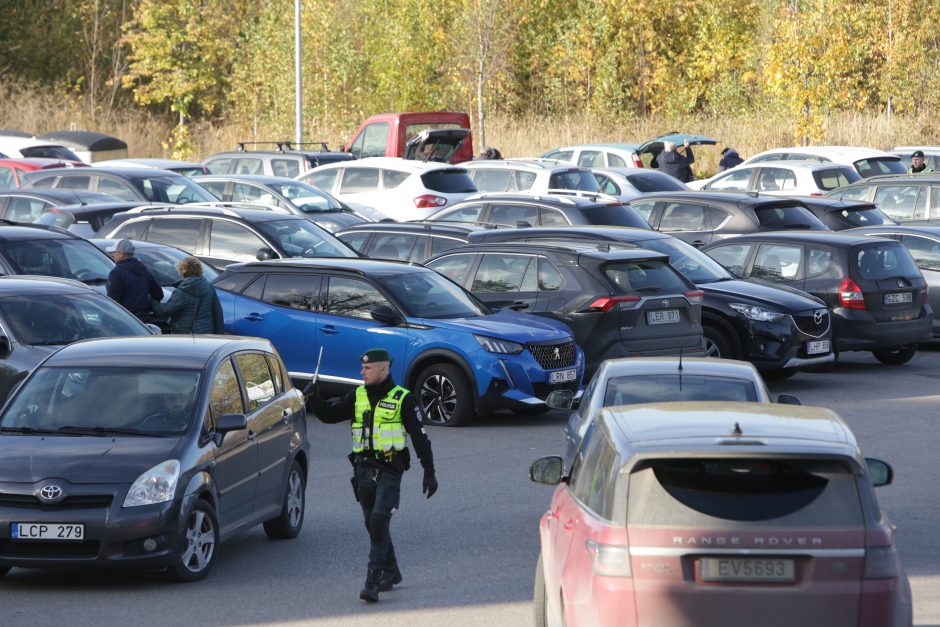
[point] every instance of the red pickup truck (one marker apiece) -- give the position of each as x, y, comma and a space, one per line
428, 136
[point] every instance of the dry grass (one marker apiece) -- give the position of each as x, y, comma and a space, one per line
40, 110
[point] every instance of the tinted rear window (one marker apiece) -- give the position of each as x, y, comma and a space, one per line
653, 388
861, 217
49, 152
647, 183
582, 180
834, 177
885, 261
448, 181
644, 278
614, 215
879, 165
712, 492
788, 217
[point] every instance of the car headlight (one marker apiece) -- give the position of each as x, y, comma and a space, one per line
157, 485
754, 312
493, 345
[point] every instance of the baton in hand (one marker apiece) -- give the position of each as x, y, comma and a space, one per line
317, 371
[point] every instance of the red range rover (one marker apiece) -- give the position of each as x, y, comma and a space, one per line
718, 514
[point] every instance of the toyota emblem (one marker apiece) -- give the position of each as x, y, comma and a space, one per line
50, 493
665, 303
557, 354
818, 316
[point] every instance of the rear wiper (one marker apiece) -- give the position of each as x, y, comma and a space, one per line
27, 430
98, 280
98, 430
652, 289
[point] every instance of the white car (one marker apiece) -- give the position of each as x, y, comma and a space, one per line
630, 183
390, 188
531, 176
598, 155
931, 155
186, 168
866, 161
781, 178
29, 147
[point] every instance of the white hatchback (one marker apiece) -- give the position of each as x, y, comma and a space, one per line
31, 148
389, 188
781, 178
530, 176
866, 161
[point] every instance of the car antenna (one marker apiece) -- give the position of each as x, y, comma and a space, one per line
680, 369
80, 202
737, 429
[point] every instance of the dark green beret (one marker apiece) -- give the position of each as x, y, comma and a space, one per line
375, 354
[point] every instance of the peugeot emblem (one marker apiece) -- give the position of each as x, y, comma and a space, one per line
665, 303
50, 493
900, 283
818, 316
557, 354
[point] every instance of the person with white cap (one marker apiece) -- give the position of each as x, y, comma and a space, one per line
130, 283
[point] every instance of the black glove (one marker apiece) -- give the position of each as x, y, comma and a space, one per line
429, 485
311, 390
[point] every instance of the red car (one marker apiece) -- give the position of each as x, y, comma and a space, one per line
427, 136
718, 513
11, 170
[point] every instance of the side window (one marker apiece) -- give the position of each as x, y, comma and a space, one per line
323, 179
277, 373
606, 185
854, 193
525, 181
615, 161
259, 385
716, 217
235, 282
256, 289
289, 168
392, 245
454, 267
496, 180
775, 180
733, 257
353, 298
935, 202
225, 396
180, 232
244, 165
6, 179
219, 166
355, 239
920, 207
297, 291
593, 485
228, 240
216, 188
777, 262
375, 140
644, 208
467, 213
512, 214
25, 209
550, 279
926, 252
897, 200
393, 178
500, 273
440, 244
561, 155
356, 180
419, 250
251, 193
591, 159
74, 182
552, 217
131, 230
819, 261
735, 180
682, 217
116, 189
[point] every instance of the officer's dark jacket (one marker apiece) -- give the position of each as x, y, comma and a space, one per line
130, 284
341, 409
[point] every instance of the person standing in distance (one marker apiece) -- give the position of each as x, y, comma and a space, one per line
381, 413
130, 283
674, 164
194, 306
917, 163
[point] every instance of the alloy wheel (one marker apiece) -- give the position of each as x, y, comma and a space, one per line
295, 498
438, 398
200, 542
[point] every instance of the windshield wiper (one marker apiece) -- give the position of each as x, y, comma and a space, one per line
27, 430
99, 430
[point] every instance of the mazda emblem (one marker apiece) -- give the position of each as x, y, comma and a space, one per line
50, 493
818, 316
557, 354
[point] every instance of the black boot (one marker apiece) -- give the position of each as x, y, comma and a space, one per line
390, 577
370, 592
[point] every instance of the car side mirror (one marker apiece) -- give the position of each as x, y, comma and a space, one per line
547, 470
154, 329
879, 472
263, 254
386, 315
231, 422
560, 399
788, 399
6, 346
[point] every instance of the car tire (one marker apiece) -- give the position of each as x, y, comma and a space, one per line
288, 523
445, 396
199, 551
717, 343
896, 356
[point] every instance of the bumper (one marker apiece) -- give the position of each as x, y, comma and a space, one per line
780, 344
855, 330
518, 382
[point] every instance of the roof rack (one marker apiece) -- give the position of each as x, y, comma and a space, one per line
583, 194
281, 146
226, 208
238, 204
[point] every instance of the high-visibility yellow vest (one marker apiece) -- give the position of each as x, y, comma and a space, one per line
388, 434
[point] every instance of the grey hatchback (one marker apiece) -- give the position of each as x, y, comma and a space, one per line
200, 438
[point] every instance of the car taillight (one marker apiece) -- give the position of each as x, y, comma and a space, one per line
308, 164
604, 303
815, 193
429, 201
850, 294
637, 162
695, 298
881, 562
609, 560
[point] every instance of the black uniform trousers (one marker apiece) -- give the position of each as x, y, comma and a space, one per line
378, 489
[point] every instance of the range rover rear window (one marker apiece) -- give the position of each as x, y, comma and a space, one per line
707, 492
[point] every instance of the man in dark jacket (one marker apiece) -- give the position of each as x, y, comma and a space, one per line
729, 159
674, 164
381, 414
130, 283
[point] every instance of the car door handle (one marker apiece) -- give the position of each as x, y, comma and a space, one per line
251, 436
285, 416
329, 330
569, 524
254, 317
516, 306
699, 243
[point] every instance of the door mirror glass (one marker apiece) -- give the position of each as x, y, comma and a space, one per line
788, 399
879, 472
231, 422
546, 470
5, 345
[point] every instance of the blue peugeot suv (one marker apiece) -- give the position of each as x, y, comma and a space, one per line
457, 357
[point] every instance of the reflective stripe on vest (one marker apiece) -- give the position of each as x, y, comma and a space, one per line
388, 434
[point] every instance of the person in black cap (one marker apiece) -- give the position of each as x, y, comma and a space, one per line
729, 159
381, 413
917, 163
130, 283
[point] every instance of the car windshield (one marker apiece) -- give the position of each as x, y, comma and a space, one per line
430, 295
57, 319
300, 238
66, 258
172, 188
653, 388
692, 263
140, 401
307, 198
647, 182
162, 260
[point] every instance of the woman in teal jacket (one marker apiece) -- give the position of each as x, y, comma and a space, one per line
194, 306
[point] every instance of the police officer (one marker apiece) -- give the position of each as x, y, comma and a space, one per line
381, 412
917, 163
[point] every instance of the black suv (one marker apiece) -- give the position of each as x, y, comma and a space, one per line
223, 235
902, 196
619, 301
701, 218
877, 295
839, 215
283, 160
549, 210
407, 241
777, 328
